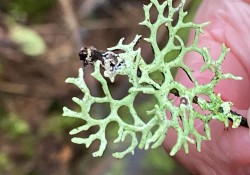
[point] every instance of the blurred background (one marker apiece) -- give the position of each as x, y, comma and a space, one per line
39, 45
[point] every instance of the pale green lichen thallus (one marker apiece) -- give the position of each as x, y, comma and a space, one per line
128, 62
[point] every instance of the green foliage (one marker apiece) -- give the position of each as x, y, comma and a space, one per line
14, 125
54, 126
155, 159
31, 10
30, 41
5, 162
151, 134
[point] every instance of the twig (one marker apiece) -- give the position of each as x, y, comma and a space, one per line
13, 88
195, 100
71, 21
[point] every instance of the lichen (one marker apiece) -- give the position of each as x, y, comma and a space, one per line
181, 117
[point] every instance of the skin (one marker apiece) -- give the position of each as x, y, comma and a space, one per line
229, 150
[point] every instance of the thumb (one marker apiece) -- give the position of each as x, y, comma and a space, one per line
230, 25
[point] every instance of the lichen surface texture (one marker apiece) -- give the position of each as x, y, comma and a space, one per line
199, 103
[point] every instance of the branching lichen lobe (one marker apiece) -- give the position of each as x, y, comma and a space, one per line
130, 63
